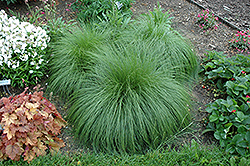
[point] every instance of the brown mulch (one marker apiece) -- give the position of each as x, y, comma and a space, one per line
184, 13
237, 12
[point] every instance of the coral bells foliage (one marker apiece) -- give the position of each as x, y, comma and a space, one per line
29, 125
207, 20
22, 50
241, 42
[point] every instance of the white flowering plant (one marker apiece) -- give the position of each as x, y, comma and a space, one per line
23, 48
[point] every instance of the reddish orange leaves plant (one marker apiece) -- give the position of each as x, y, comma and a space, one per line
29, 126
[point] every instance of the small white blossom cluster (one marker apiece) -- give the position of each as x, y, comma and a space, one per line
22, 40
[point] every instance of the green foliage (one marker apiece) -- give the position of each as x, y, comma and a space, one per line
129, 101
229, 119
54, 25
241, 41
157, 25
230, 122
187, 155
217, 69
92, 10
26, 74
71, 58
29, 125
124, 89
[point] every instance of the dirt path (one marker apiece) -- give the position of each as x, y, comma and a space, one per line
236, 12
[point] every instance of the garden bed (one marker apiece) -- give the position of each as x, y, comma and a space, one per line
184, 14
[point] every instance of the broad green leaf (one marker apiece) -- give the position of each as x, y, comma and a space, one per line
210, 109
237, 138
242, 144
210, 65
221, 118
234, 102
230, 84
230, 101
242, 80
223, 142
240, 115
244, 107
230, 148
242, 86
247, 137
240, 150
217, 135
236, 92
246, 91
246, 121
213, 118
242, 129
223, 135
228, 125
219, 70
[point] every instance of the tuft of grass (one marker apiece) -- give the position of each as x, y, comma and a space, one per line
157, 25
71, 59
129, 101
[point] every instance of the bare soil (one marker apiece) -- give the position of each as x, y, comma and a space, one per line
184, 13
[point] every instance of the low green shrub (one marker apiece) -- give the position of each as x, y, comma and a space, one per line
217, 69
229, 118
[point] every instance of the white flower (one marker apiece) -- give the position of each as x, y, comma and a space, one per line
22, 39
40, 61
8, 64
14, 66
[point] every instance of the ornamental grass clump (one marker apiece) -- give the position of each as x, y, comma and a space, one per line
129, 101
178, 50
71, 58
23, 51
124, 82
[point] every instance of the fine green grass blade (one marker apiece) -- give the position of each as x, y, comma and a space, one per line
129, 102
71, 58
